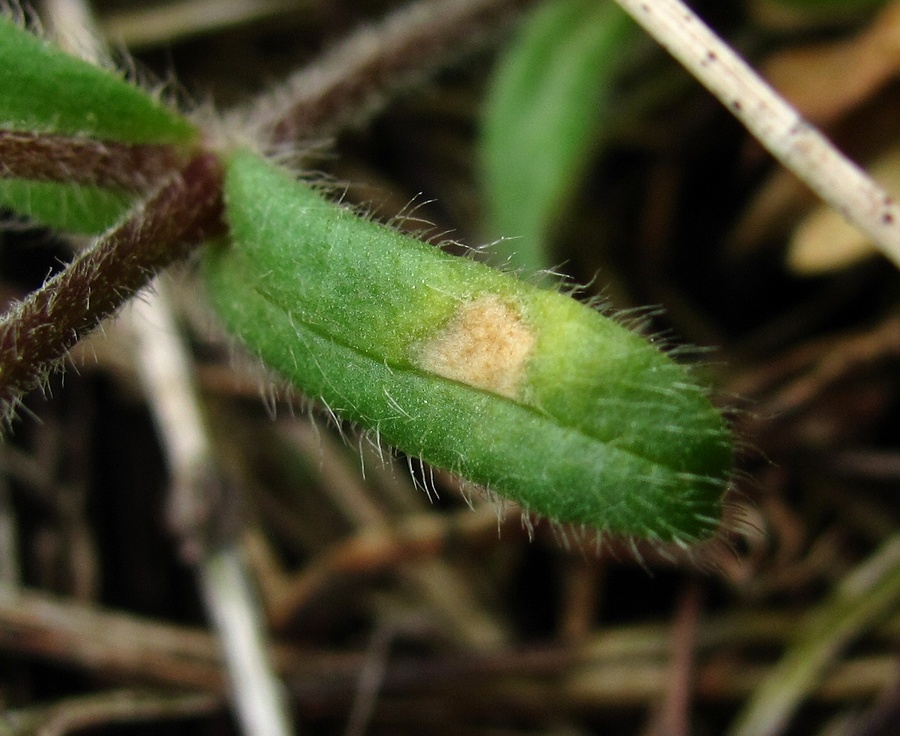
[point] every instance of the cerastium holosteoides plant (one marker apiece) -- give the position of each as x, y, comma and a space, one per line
523, 390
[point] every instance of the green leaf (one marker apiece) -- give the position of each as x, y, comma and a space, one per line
544, 115
43, 89
85, 210
520, 389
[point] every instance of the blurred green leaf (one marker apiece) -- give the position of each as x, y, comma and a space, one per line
84, 210
544, 116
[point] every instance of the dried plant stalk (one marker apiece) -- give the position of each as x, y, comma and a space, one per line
777, 125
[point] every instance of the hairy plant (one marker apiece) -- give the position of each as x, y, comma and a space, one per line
520, 389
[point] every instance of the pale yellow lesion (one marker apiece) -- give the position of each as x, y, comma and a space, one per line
486, 344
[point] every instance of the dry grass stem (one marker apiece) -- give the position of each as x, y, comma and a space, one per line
777, 125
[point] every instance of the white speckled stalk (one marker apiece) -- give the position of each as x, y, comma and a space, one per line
777, 125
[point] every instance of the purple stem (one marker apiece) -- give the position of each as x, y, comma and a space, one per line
77, 160
37, 332
357, 77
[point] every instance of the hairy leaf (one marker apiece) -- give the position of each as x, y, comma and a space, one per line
520, 389
43, 89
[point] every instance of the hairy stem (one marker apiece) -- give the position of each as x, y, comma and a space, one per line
36, 333
77, 160
358, 76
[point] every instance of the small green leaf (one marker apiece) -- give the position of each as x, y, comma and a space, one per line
45, 90
520, 389
85, 210
544, 115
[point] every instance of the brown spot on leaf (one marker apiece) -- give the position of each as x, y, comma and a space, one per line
485, 345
